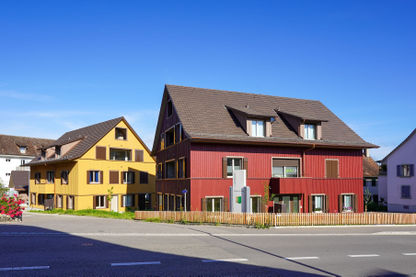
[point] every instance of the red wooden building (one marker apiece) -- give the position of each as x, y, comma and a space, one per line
308, 159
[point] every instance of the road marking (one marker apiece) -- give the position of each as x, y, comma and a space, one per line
396, 233
302, 258
409, 254
363, 255
24, 268
225, 260
135, 263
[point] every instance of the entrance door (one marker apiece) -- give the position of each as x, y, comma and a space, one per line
114, 203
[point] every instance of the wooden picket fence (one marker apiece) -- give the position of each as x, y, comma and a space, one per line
270, 219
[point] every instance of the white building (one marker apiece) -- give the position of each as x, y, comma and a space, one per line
15, 152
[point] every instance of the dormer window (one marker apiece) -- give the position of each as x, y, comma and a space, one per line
22, 149
257, 128
310, 131
57, 151
121, 133
43, 153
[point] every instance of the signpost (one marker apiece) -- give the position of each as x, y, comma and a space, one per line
184, 192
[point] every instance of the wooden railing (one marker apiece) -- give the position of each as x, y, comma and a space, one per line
270, 219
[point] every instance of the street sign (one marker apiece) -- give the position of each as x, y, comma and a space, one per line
184, 191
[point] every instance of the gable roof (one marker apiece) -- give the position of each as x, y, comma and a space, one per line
19, 179
88, 137
398, 146
10, 145
204, 116
370, 167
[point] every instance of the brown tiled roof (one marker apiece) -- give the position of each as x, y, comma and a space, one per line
88, 137
204, 116
10, 145
370, 167
19, 179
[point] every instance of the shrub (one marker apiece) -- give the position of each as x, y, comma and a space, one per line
10, 206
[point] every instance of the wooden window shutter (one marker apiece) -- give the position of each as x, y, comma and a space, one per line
331, 168
203, 204
310, 203
121, 177
88, 176
114, 177
106, 201
94, 203
122, 200
100, 152
101, 177
355, 203
398, 171
340, 203
224, 167
139, 155
326, 203
245, 160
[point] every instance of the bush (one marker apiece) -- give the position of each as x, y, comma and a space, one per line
152, 219
10, 206
375, 207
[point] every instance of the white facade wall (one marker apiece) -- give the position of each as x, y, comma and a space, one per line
8, 163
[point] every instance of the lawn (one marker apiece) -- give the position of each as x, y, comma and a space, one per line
90, 212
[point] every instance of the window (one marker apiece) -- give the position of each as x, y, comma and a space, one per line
64, 177
94, 177
181, 168
37, 177
59, 201
41, 199
170, 108
347, 202
171, 202
120, 154
139, 155
255, 204
405, 170
7, 160
331, 169
162, 141
70, 203
318, 203
33, 199
233, 164
22, 149
405, 190
128, 177
145, 202
50, 177
310, 131
121, 133
178, 133
22, 162
214, 204
170, 170
285, 168
170, 137
144, 177
159, 171
286, 204
128, 200
257, 128
57, 151
7, 174
178, 203
100, 202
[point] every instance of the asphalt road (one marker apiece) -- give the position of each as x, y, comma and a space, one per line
54, 245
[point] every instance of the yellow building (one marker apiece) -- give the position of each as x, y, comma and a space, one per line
103, 166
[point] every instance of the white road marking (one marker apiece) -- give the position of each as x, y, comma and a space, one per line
135, 263
396, 233
363, 255
225, 260
302, 258
409, 254
24, 268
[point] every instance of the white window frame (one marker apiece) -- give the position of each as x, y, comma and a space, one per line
212, 198
258, 199
351, 210
127, 203
101, 203
255, 128
287, 158
126, 175
306, 131
93, 181
242, 164
323, 196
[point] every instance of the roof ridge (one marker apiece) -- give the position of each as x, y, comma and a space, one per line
245, 93
24, 137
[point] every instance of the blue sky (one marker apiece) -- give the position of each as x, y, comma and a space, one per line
68, 64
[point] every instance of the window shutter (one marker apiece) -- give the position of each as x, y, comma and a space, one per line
113, 177
88, 176
398, 171
100, 152
340, 203
411, 170
310, 203
122, 200
139, 155
355, 203
101, 177
224, 167
245, 160
121, 177
133, 198
105, 201
203, 204
326, 203
94, 199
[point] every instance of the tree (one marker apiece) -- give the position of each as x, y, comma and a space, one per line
367, 198
265, 200
3, 189
110, 195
